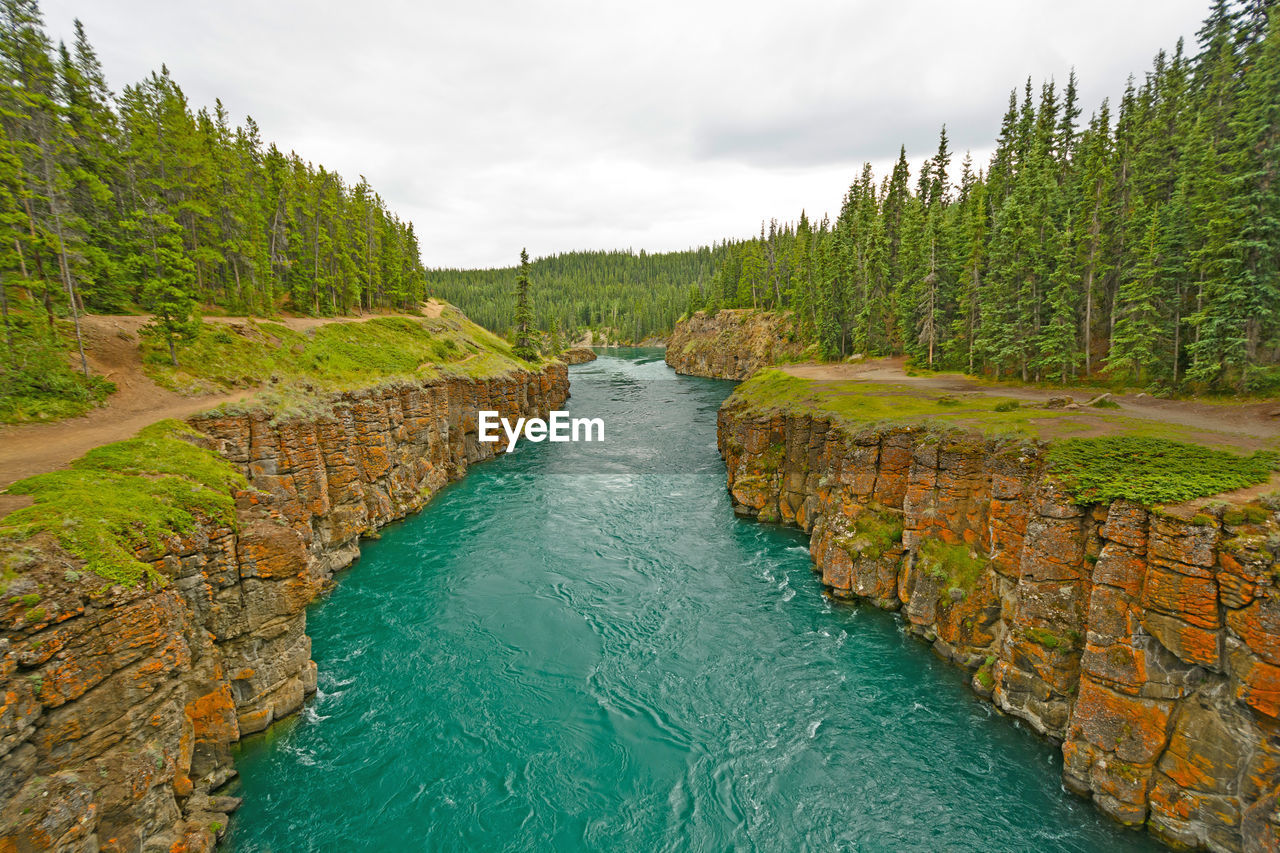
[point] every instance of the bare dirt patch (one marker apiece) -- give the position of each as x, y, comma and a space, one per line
111, 346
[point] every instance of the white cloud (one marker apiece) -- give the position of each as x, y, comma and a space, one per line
604, 125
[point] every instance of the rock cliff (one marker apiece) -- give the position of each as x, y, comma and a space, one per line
120, 703
1147, 644
731, 343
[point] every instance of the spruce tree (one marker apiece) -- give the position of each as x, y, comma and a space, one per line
524, 345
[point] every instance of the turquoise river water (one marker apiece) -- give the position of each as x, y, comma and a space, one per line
583, 649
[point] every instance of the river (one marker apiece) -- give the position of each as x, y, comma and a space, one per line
581, 648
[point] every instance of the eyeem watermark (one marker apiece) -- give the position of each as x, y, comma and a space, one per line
559, 427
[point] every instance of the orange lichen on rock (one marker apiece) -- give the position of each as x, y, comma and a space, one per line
1147, 644
119, 706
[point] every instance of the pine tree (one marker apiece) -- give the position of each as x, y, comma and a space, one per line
167, 275
1254, 207
753, 277
1139, 320
524, 346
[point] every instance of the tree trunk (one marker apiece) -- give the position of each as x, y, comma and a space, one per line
4, 311
35, 252
64, 265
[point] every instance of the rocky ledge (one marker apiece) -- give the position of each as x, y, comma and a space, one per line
119, 704
1147, 644
731, 343
578, 355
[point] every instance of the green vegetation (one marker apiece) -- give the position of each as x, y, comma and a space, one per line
630, 295
1105, 403
124, 495
876, 531
1151, 470
333, 356
868, 403
984, 676
861, 404
37, 380
1141, 246
1248, 514
954, 566
1050, 640
116, 202
524, 313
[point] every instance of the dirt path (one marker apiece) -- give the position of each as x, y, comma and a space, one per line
1259, 421
111, 346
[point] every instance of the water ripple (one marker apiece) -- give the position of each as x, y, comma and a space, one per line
614, 662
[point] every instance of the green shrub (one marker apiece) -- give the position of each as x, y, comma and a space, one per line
984, 676
875, 532
1047, 638
1105, 403
1007, 406
955, 566
1151, 470
39, 380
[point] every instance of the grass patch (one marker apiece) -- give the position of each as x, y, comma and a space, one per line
124, 495
1152, 470
1249, 514
984, 676
1054, 642
336, 356
40, 379
1105, 403
877, 404
873, 402
875, 532
954, 566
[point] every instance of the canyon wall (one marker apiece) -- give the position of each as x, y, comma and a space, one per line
120, 704
731, 343
1148, 645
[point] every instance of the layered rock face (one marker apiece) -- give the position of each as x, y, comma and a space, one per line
731, 343
119, 705
578, 355
1148, 645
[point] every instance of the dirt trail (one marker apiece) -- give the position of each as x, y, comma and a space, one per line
1258, 421
111, 346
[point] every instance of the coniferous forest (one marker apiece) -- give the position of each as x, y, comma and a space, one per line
633, 295
135, 200
1141, 244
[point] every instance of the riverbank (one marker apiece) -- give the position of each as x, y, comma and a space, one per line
1143, 639
134, 655
586, 651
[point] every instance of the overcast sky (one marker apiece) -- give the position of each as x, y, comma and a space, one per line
659, 125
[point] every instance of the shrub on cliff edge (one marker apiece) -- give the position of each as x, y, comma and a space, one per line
1151, 471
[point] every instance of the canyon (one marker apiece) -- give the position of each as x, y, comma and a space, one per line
120, 703
1146, 643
